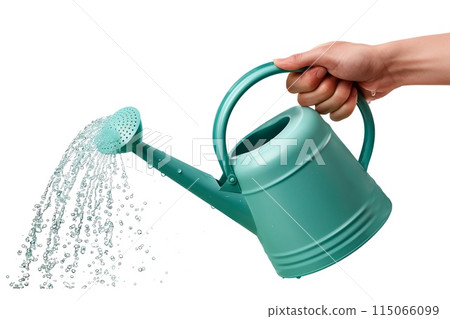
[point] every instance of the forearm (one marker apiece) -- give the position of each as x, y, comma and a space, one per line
422, 60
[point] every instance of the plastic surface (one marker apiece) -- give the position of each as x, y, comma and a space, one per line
246, 82
123, 133
119, 129
305, 196
313, 203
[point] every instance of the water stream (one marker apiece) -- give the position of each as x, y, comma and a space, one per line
86, 210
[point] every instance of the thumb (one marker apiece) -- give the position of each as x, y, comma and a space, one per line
298, 61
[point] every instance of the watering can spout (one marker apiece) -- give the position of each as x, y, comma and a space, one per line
122, 133
199, 183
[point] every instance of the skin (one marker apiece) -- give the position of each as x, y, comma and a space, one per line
340, 68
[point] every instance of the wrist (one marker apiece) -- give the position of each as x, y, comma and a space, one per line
395, 71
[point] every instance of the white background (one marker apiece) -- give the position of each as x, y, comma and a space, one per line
59, 70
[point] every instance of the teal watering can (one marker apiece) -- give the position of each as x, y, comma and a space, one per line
291, 181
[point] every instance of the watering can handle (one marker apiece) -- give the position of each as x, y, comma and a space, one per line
242, 85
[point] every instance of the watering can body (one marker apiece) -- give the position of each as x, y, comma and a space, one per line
312, 202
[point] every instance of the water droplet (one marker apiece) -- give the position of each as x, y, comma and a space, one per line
141, 269
145, 203
67, 285
153, 258
163, 175
179, 171
139, 232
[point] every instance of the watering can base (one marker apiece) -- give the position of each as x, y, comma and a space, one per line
337, 245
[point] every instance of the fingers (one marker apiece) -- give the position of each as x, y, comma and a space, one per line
329, 94
306, 81
323, 92
347, 108
338, 98
299, 60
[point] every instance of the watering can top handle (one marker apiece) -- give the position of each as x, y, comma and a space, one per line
242, 85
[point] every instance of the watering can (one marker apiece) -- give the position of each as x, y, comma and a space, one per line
308, 200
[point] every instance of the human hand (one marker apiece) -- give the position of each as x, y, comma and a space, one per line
337, 71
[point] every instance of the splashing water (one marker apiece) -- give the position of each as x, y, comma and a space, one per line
75, 230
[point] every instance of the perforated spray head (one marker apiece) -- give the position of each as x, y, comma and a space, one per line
120, 132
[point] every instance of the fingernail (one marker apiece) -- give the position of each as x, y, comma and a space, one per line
276, 61
321, 73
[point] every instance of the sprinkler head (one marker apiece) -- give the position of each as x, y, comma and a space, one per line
120, 132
